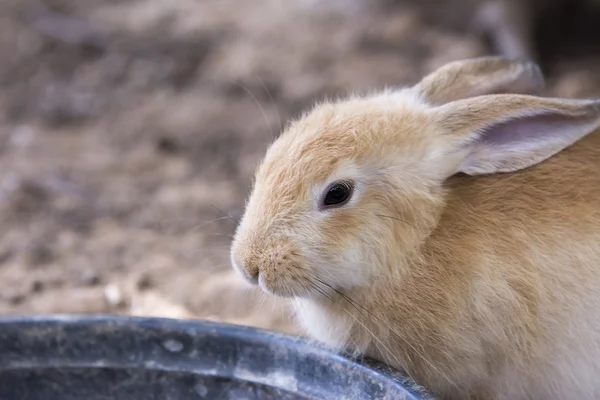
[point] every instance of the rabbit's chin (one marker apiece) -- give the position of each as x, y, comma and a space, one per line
323, 325
291, 289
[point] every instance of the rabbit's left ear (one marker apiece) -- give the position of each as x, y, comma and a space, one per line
480, 76
506, 133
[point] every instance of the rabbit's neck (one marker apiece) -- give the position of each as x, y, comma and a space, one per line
382, 325
353, 323
333, 324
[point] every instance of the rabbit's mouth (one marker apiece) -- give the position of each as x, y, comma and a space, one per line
290, 288
295, 283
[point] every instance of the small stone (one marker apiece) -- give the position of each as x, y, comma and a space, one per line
16, 298
37, 286
113, 295
167, 145
145, 282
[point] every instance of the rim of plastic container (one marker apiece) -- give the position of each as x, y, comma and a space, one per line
190, 346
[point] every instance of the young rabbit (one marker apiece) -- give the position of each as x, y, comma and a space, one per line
451, 229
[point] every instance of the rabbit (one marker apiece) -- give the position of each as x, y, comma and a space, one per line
450, 229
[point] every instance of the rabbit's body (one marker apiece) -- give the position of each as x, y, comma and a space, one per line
480, 287
518, 257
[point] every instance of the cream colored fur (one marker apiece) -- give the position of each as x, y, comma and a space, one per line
480, 287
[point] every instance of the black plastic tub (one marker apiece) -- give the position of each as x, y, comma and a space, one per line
123, 358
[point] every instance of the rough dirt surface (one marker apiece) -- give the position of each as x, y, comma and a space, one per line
130, 128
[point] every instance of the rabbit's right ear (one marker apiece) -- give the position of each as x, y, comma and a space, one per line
480, 76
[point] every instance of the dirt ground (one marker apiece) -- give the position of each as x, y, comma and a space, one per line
129, 131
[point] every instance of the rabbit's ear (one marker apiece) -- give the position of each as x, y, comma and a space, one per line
480, 76
506, 133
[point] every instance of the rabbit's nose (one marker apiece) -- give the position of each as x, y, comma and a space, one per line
252, 275
248, 270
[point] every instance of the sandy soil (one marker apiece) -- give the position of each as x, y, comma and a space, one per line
129, 131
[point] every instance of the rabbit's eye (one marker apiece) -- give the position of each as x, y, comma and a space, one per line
338, 194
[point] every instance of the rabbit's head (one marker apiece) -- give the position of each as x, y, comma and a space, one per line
355, 186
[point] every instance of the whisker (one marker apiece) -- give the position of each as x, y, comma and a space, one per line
356, 306
377, 340
204, 224
312, 284
347, 298
376, 320
262, 109
224, 213
321, 292
369, 316
272, 101
220, 234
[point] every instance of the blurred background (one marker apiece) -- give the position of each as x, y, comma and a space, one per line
130, 129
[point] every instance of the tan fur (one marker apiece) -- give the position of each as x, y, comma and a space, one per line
482, 287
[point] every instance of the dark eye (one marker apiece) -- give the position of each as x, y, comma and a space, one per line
338, 194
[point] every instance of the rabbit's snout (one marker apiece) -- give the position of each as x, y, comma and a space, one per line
272, 263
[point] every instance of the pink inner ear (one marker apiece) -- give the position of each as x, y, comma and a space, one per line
523, 141
523, 131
